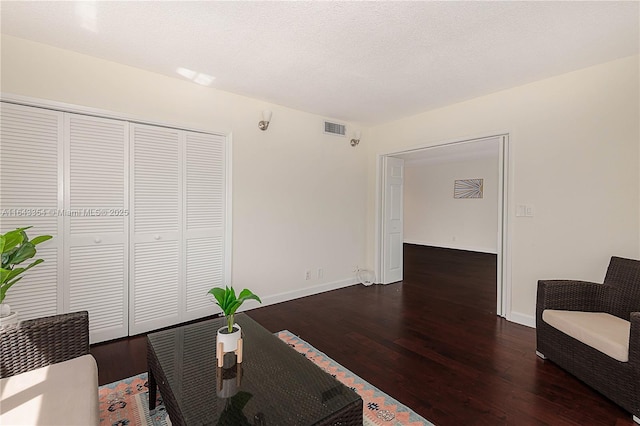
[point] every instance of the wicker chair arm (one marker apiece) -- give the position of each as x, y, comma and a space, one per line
40, 342
572, 295
634, 344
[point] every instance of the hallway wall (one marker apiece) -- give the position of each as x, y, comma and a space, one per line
433, 217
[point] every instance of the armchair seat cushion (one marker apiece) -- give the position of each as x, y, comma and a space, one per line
604, 332
65, 393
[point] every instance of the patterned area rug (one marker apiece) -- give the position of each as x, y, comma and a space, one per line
126, 402
378, 407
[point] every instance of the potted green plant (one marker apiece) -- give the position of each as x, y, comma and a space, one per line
16, 248
229, 303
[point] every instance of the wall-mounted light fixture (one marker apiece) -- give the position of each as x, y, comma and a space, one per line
266, 118
356, 138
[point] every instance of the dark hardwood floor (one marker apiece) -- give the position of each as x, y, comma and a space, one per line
433, 342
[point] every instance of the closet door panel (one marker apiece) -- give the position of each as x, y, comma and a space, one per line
205, 181
156, 172
204, 271
155, 289
157, 270
31, 195
98, 165
96, 284
96, 223
205, 196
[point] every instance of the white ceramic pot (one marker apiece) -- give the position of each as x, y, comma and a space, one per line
5, 310
10, 319
229, 340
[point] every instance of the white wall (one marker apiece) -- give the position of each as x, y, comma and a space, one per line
298, 194
433, 217
574, 156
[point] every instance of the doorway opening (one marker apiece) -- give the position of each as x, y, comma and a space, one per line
390, 201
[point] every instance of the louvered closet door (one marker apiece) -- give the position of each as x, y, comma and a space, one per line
156, 266
204, 221
97, 222
31, 195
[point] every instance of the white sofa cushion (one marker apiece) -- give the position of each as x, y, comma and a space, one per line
606, 333
65, 393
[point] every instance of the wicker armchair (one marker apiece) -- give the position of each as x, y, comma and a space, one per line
618, 296
47, 376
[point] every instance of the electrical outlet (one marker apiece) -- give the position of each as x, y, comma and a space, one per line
307, 275
320, 273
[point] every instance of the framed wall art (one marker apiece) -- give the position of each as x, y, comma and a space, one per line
467, 188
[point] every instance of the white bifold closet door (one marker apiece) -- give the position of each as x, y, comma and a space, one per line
96, 223
137, 213
157, 264
30, 195
178, 215
204, 222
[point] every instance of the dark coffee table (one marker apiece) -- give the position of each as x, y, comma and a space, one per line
274, 385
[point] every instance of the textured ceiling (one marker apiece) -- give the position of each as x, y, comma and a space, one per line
368, 62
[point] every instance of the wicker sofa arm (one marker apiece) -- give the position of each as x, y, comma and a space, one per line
634, 344
571, 295
40, 342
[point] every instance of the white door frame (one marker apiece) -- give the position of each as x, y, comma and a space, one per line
503, 300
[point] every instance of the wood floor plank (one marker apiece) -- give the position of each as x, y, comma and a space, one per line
433, 342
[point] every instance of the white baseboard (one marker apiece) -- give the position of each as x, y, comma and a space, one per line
453, 246
523, 319
517, 317
302, 292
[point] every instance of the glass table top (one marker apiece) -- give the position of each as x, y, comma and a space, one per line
274, 385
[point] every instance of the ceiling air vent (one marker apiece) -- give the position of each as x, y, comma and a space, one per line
334, 128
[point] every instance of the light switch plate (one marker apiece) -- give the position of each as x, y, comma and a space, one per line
524, 210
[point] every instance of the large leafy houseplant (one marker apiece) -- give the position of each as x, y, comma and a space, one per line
229, 303
16, 248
